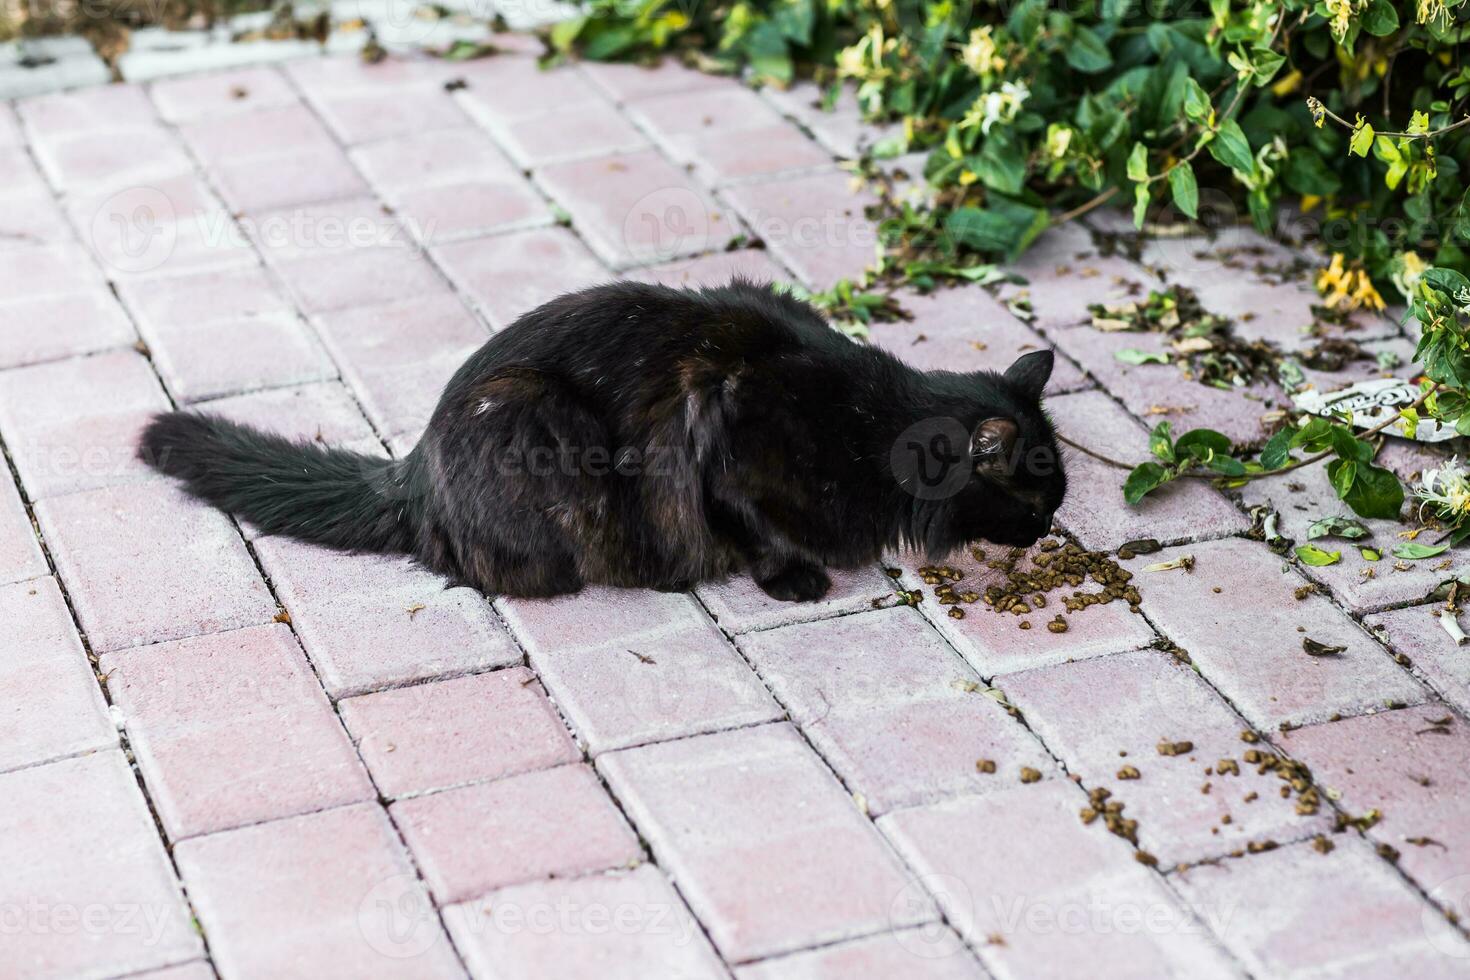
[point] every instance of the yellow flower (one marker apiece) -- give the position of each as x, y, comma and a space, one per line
981, 55
1342, 12
1433, 10
1349, 288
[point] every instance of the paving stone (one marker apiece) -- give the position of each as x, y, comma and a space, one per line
349, 73
814, 224
1237, 251
115, 159
1078, 904
441, 158
1152, 699
678, 680
323, 413
165, 227
256, 184
446, 214
1397, 763
354, 616
1063, 296
1245, 641
18, 175
203, 297
510, 275
51, 327
739, 605
1160, 392
328, 228
930, 952
85, 910
1305, 496
412, 109
1103, 520
51, 270
1415, 633
227, 357
218, 93
232, 729
449, 733
588, 129
54, 707
143, 563
726, 108
365, 277
157, 52
398, 357
839, 127
623, 926
994, 643
552, 823
30, 217
108, 107
20, 553
726, 156
329, 893
1292, 911
73, 425
72, 71
271, 132
1059, 250
637, 208
1280, 312
716, 810
500, 91
599, 616
197, 970
966, 330
899, 717
715, 269
626, 82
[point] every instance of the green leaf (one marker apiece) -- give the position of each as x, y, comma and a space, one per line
1413, 550
1202, 444
1370, 554
1140, 205
1231, 148
1132, 355
1310, 554
1362, 140
1138, 162
1337, 527
1184, 188
1161, 441
1087, 53
1372, 492
1380, 19
1196, 101
1145, 478
1277, 451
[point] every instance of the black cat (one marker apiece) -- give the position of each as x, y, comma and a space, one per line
638, 435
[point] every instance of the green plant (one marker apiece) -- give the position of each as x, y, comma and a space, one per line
1032, 114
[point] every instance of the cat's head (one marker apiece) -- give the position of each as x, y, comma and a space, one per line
1006, 478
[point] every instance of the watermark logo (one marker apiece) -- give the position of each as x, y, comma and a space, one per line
931, 940
135, 229
666, 224
931, 458
397, 919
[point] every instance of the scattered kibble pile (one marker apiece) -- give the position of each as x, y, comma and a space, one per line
1057, 565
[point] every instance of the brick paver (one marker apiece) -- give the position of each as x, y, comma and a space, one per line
232, 729
351, 765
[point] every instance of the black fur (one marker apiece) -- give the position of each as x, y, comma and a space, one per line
638, 435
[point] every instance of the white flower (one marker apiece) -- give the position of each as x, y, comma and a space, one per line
1002, 106
1445, 490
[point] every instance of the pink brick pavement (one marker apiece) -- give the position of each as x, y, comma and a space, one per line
230, 754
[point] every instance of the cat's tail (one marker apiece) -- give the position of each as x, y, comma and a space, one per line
326, 496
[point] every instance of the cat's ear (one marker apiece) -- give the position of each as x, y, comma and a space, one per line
1031, 371
992, 443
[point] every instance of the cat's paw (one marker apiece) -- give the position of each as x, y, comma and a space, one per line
796, 583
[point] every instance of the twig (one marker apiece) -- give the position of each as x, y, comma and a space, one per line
1082, 209
1295, 464
1404, 136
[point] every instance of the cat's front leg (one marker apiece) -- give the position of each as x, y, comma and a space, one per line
791, 579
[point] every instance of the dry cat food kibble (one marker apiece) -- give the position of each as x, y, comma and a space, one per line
1056, 566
